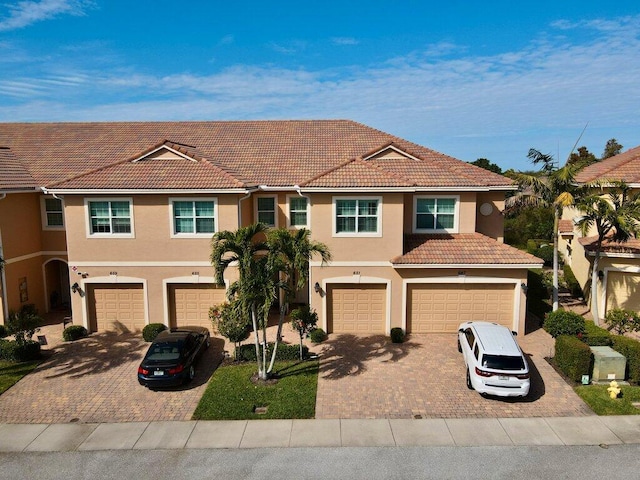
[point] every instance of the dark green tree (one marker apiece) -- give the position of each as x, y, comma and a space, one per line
611, 148
487, 165
582, 158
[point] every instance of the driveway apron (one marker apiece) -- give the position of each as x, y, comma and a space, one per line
95, 380
424, 377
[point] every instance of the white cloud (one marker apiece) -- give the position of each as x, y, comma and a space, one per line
27, 12
468, 106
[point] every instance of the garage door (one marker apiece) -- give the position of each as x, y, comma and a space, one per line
117, 308
357, 308
189, 304
623, 291
441, 308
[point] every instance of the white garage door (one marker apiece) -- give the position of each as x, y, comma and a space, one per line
357, 308
441, 308
189, 304
623, 291
116, 308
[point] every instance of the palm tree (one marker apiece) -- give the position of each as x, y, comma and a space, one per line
550, 187
616, 217
255, 287
291, 252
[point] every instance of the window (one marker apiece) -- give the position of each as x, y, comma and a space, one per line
357, 216
298, 212
191, 217
435, 214
52, 217
266, 210
110, 217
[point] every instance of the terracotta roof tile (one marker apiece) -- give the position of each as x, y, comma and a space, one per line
609, 246
625, 166
13, 174
275, 153
460, 249
565, 226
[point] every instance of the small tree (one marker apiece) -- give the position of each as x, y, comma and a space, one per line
229, 322
23, 324
303, 319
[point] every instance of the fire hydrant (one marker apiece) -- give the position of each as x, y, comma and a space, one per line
614, 389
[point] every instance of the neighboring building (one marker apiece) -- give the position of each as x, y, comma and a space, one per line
619, 266
416, 236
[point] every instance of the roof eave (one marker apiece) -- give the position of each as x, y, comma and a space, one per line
469, 265
146, 191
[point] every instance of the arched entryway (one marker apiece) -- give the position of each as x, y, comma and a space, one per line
56, 285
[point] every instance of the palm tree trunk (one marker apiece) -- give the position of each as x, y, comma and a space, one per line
556, 226
594, 288
283, 309
256, 331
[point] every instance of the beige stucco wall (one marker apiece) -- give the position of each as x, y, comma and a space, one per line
491, 225
26, 247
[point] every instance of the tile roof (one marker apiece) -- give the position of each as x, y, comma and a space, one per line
13, 174
565, 226
624, 166
460, 249
274, 153
609, 246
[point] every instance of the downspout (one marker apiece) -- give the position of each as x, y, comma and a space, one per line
240, 208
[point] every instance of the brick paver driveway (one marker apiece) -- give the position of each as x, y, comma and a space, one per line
369, 377
94, 380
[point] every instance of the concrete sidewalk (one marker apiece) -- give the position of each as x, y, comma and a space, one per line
466, 432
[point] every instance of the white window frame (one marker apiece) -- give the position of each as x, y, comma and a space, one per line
456, 214
43, 212
87, 216
377, 233
173, 233
275, 209
289, 216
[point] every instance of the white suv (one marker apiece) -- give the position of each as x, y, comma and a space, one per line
495, 363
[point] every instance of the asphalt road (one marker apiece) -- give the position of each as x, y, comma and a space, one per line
619, 462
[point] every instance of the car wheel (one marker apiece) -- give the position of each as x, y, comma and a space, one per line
469, 385
459, 346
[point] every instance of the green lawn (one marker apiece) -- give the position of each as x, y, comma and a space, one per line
11, 373
231, 395
597, 397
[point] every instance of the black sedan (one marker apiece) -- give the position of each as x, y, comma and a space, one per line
172, 356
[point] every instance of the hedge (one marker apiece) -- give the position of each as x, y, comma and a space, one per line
14, 352
74, 332
151, 331
573, 357
564, 322
630, 348
572, 282
595, 336
247, 352
397, 335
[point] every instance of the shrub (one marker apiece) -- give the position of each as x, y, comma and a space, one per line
228, 320
304, 320
564, 322
572, 282
573, 357
630, 348
537, 293
13, 351
74, 332
545, 252
247, 352
3, 331
596, 336
622, 321
23, 324
317, 336
397, 335
151, 331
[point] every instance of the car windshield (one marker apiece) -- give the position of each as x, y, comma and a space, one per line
164, 351
503, 362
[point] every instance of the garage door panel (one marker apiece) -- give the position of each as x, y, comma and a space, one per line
189, 304
357, 308
441, 308
117, 308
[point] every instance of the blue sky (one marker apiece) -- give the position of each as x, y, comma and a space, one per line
471, 79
